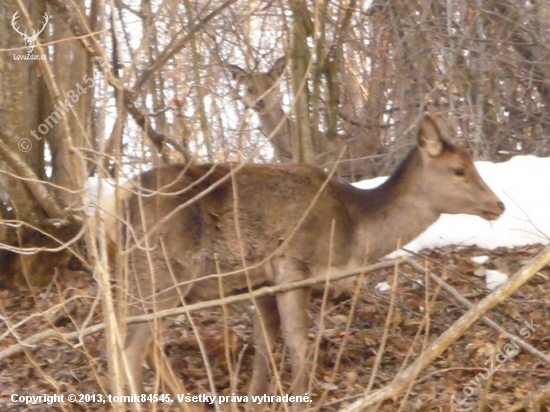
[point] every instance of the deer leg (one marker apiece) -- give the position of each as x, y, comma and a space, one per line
140, 347
293, 309
266, 315
157, 360
138, 342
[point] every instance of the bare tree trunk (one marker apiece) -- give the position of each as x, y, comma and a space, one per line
71, 66
20, 114
301, 63
26, 122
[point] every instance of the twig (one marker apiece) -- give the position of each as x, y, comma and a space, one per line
265, 291
32, 182
488, 322
531, 400
453, 333
387, 327
50, 312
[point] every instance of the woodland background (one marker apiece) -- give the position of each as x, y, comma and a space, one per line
360, 75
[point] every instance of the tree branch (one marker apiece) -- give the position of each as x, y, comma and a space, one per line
176, 45
437, 347
265, 291
46, 201
79, 29
488, 322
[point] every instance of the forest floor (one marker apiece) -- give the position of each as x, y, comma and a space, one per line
79, 367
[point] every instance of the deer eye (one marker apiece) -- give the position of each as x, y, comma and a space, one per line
459, 172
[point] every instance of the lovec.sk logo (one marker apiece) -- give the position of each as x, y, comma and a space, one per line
29, 40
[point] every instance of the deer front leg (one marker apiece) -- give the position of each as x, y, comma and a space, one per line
293, 309
266, 328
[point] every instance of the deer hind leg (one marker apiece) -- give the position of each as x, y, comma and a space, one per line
139, 341
266, 329
293, 310
139, 347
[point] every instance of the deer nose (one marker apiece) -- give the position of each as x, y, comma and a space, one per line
501, 206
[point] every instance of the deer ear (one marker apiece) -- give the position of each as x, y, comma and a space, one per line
430, 139
278, 68
235, 71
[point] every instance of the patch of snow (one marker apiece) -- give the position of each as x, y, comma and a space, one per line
418, 282
382, 286
95, 188
480, 260
494, 279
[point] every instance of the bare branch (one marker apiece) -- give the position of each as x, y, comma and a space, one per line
50, 206
176, 45
265, 291
438, 346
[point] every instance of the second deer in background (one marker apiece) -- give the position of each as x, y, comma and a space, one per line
261, 92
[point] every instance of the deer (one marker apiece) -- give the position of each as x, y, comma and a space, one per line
261, 92
199, 232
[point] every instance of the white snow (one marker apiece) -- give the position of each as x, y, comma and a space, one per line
480, 260
494, 279
383, 286
92, 187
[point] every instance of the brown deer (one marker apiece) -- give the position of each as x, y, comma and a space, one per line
261, 92
246, 217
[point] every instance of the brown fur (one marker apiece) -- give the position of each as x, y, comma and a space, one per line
248, 218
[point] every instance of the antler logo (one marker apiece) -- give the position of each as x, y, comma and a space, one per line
29, 40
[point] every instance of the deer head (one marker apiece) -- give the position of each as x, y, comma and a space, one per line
261, 90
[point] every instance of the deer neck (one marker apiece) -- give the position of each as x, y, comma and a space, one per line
274, 122
392, 214
278, 127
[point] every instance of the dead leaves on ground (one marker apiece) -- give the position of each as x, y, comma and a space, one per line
55, 365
